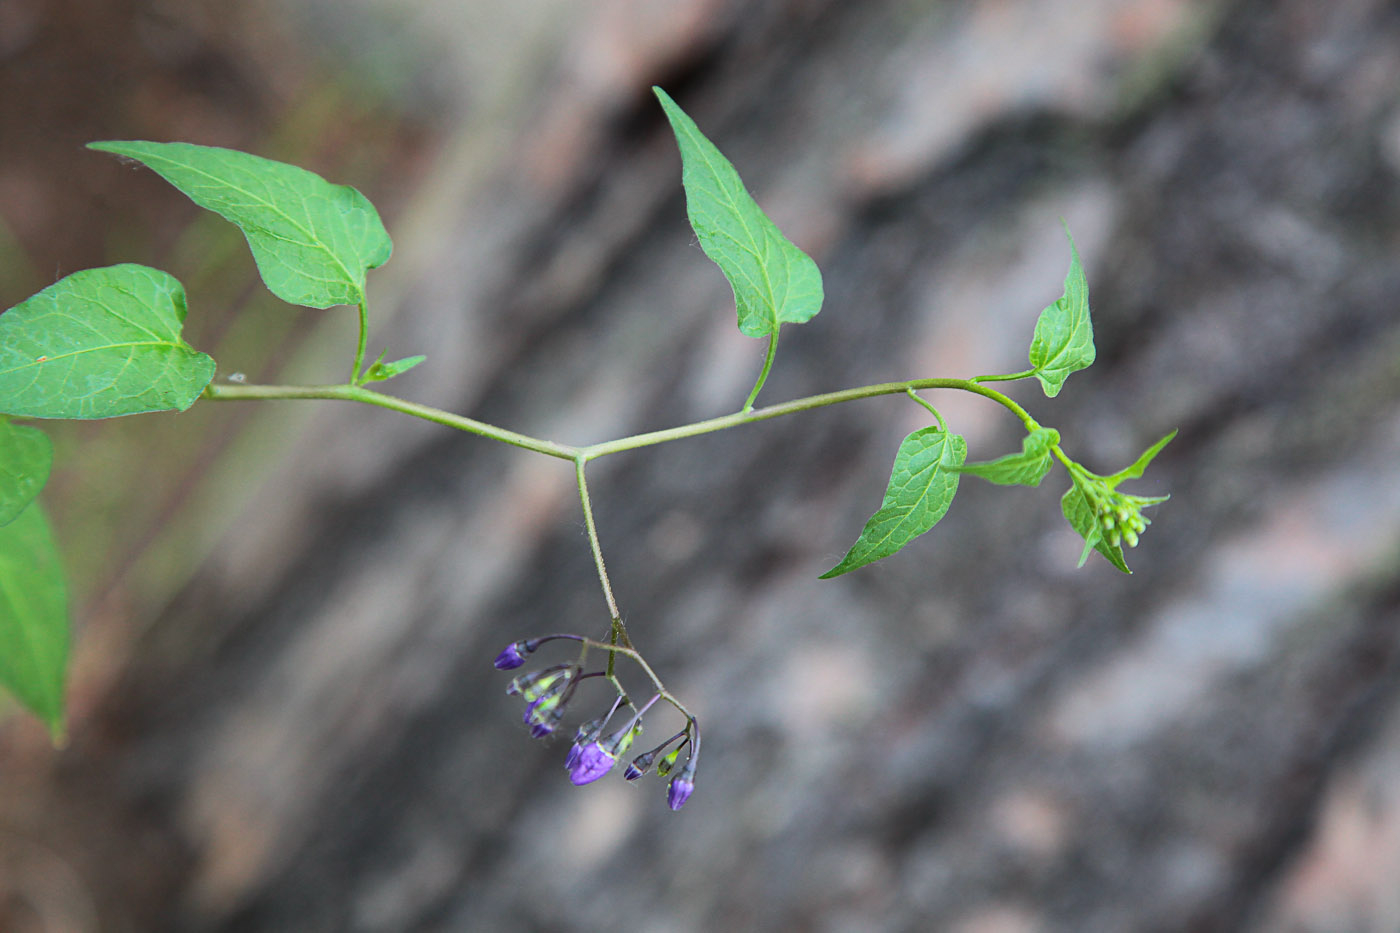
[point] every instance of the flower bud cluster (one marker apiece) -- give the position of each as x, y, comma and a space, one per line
1117, 515
595, 750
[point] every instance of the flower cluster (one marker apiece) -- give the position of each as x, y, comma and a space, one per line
596, 750
1119, 515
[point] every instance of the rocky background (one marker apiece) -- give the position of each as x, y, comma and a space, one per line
284, 715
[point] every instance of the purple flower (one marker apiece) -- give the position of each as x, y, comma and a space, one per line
512, 656
592, 762
682, 786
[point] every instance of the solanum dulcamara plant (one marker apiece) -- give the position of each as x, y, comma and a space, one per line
106, 342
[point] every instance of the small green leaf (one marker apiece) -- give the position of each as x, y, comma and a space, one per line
1027, 468
774, 282
1064, 335
313, 241
98, 344
379, 371
1134, 470
922, 485
26, 456
33, 617
1080, 516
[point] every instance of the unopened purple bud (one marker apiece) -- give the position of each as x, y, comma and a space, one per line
639, 766
543, 715
512, 656
592, 762
682, 786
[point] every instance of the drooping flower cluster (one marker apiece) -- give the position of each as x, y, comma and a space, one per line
595, 750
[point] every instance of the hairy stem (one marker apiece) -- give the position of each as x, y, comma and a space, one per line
763, 373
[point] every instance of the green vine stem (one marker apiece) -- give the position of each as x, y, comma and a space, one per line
584, 454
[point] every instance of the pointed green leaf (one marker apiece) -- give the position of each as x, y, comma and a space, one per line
33, 616
922, 485
25, 458
1080, 516
379, 371
1027, 468
774, 282
1064, 336
313, 241
1135, 470
100, 343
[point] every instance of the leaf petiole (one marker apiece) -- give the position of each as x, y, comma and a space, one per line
763, 373
942, 425
355, 372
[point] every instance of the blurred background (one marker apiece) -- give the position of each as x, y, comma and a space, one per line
283, 712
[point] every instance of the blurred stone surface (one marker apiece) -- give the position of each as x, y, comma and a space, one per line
970, 736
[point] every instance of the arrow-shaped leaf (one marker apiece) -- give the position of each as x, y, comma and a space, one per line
922, 485
1080, 516
33, 616
313, 241
774, 282
1026, 468
100, 343
25, 458
1064, 336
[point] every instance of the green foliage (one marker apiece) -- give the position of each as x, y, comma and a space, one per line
33, 617
1064, 336
1083, 519
313, 241
98, 344
379, 370
107, 342
25, 458
1136, 468
774, 282
1104, 517
922, 485
1026, 468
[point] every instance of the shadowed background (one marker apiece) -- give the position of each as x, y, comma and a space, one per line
283, 712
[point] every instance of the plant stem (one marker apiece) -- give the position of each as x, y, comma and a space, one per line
1004, 377
943, 425
351, 393
360, 346
617, 631
763, 373
594, 451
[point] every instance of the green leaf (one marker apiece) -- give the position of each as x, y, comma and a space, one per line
25, 458
100, 343
33, 617
922, 485
1027, 468
1136, 468
774, 282
1080, 516
379, 371
313, 241
1064, 335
